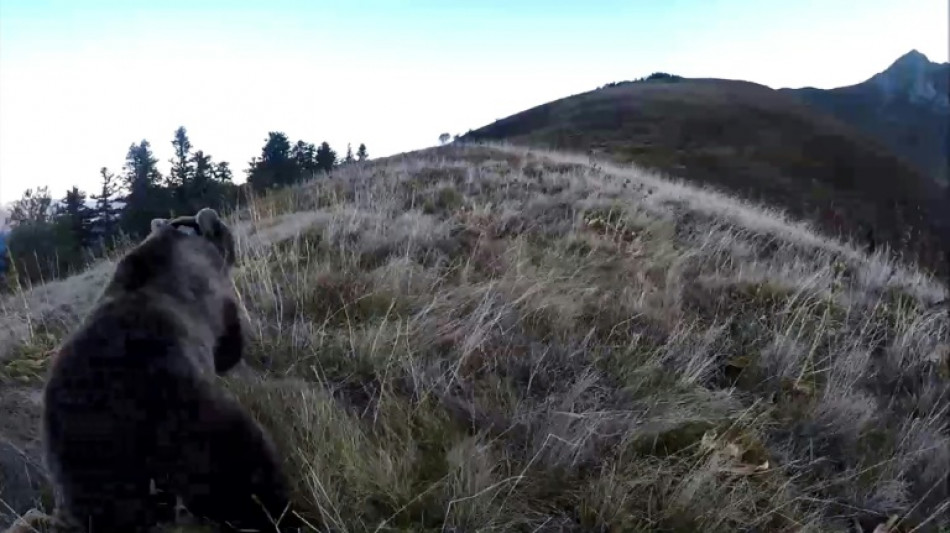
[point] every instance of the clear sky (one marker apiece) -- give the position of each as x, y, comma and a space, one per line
80, 80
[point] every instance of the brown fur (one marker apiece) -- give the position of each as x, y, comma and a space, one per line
131, 397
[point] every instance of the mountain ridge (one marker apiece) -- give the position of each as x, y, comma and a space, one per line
906, 107
762, 144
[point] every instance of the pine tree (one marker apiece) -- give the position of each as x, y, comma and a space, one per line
305, 157
32, 242
222, 172
181, 164
311, 158
225, 191
253, 172
141, 173
349, 155
299, 154
275, 166
326, 157
146, 199
200, 189
105, 212
34, 206
76, 219
361, 153
276, 149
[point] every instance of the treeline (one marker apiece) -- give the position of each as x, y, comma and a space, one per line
656, 76
53, 238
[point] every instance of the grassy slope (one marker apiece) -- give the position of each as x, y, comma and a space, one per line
484, 338
751, 140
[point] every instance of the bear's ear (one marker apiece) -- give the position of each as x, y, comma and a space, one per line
158, 223
208, 221
211, 227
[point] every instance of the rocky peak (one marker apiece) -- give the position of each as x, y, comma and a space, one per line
911, 60
913, 78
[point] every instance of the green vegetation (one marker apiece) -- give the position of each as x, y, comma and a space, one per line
52, 240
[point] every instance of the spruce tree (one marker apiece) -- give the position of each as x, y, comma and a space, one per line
146, 199
275, 166
74, 219
181, 164
200, 190
326, 157
304, 155
222, 172
105, 212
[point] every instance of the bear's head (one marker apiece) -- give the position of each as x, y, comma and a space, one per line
206, 224
188, 259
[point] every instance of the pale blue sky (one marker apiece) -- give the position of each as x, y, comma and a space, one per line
80, 80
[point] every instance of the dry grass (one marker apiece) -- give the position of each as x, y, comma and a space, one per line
486, 338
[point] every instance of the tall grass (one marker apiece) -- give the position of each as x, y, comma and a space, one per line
491, 338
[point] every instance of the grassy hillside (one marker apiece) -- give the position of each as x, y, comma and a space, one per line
751, 140
496, 339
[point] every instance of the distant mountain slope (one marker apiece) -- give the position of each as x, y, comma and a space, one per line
750, 139
906, 107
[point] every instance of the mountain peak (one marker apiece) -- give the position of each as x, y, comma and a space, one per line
913, 57
913, 77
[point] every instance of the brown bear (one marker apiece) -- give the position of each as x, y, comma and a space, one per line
131, 402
